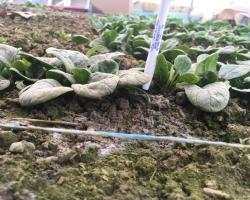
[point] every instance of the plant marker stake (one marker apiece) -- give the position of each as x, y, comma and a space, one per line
133, 136
156, 41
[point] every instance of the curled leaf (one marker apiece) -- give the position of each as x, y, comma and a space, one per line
7, 54
16, 73
69, 58
41, 91
48, 63
213, 97
98, 89
132, 78
241, 90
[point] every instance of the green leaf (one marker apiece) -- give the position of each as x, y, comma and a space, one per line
80, 39
39, 61
210, 77
189, 78
109, 36
162, 69
94, 50
81, 75
208, 63
140, 43
62, 77
106, 66
171, 54
16, 73
182, 64
21, 65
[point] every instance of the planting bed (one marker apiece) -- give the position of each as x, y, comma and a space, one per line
83, 167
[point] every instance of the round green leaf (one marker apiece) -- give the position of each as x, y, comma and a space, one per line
81, 75
80, 39
182, 64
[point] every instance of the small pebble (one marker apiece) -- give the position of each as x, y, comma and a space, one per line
22, 147
181, 98
218, 194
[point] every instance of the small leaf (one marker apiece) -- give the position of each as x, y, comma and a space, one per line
41, 91
60, 76
94, 50
208, 63
162, 69
210, 77
7, 54
106, 66
21, 65
80, 39
37, 61
182, 64
16, 73
171, 54
81, 75
213, 97
109, 36
188, 78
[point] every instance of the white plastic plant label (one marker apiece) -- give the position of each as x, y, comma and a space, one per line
156, 42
